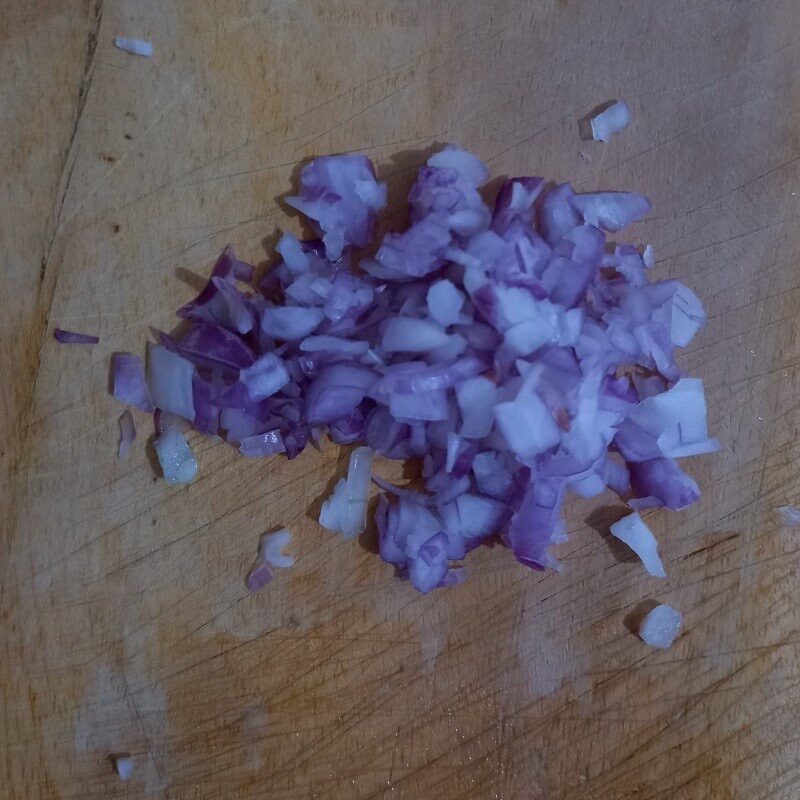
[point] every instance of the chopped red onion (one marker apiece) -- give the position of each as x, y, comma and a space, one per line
407, 335
512, 350
130, 385
346, 510
341, 195
444, 303
70, 337
290, 323
127, 433
259, 577
633, 532
170, 382
611, 211
610, 121
262, 444
661, 482
265, 377
661, 626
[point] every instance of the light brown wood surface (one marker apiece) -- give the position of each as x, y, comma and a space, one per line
124, 621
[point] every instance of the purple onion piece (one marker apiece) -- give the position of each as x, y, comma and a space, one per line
71, 337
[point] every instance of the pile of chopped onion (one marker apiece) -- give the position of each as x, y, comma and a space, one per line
510, 348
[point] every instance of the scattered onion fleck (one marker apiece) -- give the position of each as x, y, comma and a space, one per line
71, 337
137, 47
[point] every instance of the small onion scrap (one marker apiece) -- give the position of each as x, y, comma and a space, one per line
71, 337
790, 516
510, 348
610, 121
123, 765
661, 626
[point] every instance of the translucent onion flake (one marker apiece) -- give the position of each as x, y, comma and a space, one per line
639, 538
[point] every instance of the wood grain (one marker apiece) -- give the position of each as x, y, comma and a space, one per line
124, 621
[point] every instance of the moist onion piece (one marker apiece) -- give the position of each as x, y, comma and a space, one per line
513, 350
177, 460
661, 626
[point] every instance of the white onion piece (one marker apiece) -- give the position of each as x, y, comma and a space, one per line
476, 401
137, 47
271, 546
444, 302
407, 335
334, 344
610, 121
289, 323
293, 256
661, 626
677, 419
346, 509
633, 532
175, 456
470, 166
687, 316
265, 377
170, 382
527, 425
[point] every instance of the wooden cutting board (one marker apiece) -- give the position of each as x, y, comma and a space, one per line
124, 621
